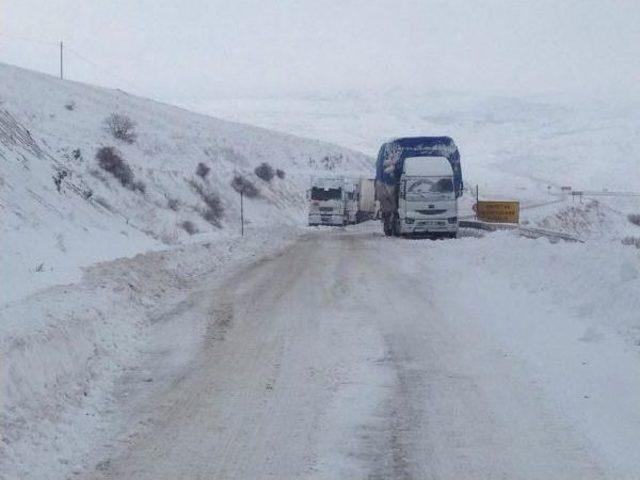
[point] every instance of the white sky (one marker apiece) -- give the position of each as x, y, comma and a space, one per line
189, 49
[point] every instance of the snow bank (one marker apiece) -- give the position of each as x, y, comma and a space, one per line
567, 311
63, 348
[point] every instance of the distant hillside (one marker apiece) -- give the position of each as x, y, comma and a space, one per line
510, 146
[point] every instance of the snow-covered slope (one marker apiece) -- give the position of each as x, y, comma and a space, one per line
51, 130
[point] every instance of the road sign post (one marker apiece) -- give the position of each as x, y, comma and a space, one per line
241, 212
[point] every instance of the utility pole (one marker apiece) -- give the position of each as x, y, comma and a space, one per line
61, 62
241, 213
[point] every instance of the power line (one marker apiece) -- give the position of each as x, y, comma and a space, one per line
107, 69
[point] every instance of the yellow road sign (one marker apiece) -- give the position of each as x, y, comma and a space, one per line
498, 211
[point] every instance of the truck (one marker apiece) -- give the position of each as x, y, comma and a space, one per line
327, 201
418, 182
367, 205
351, 187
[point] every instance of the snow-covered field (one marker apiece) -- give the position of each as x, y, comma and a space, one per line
296, 352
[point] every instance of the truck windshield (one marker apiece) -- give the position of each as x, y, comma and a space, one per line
429, 188
324, 194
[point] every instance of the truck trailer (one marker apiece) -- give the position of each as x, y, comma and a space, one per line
366, 200
418, 182
351, 200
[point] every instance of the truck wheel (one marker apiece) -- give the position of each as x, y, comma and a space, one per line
386, 227
395, 226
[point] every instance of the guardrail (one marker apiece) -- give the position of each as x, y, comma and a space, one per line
530, 232
597, 193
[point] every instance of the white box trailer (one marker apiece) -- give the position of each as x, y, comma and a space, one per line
351, 199
366, 200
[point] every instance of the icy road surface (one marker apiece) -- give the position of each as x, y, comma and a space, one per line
334, 361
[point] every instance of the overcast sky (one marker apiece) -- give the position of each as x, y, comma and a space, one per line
189, 49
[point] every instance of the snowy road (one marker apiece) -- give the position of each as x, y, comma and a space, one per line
332, 360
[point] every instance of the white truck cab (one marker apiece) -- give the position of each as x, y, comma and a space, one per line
327, 202
427, 202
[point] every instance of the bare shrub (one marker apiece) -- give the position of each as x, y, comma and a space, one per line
215, 209
203, 170
328, 162
631, 241
40, 267
189, 227
211, 216
74, 155
241, 184
110, 161
139, 186
58, 177
70, 105
264, 171
211, 199
280, 173
634, 218
173, 204
121, 127
168, 238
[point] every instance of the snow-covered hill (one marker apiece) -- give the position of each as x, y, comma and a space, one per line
62, 211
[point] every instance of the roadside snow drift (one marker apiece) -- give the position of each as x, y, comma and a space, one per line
64, 349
